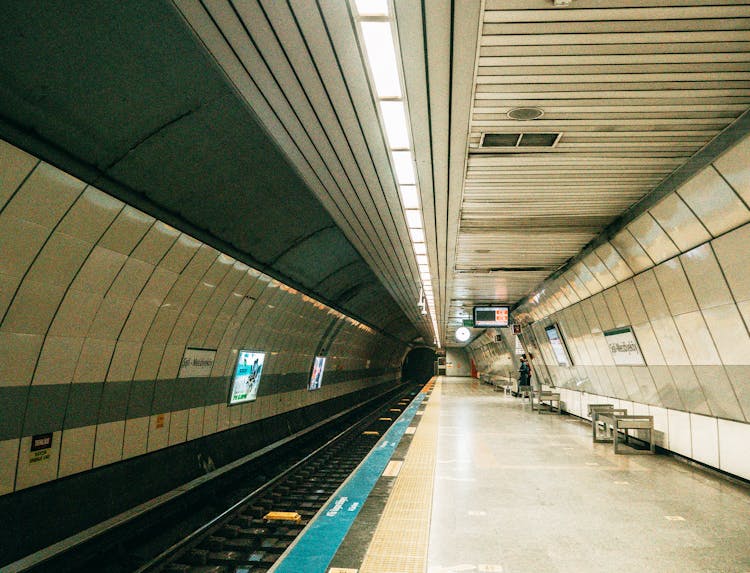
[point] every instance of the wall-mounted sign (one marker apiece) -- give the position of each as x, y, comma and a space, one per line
468, 322
40, 447
624, 347
516, 329
197, 363
316, 378
491, 316
558, 345
519, 347
246, 376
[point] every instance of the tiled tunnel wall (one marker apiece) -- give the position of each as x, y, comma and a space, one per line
679, 276
98, 303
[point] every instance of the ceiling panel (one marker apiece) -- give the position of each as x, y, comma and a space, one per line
635, 88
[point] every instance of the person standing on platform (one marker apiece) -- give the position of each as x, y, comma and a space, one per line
524, 378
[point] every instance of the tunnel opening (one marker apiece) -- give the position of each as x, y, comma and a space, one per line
419, 365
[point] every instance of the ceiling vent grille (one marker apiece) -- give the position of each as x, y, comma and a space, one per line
516, 140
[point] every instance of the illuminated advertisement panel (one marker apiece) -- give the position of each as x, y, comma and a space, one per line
558, 345
316, 379
491, 316
246, 376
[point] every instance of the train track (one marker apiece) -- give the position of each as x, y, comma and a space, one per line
252, 535
224, 525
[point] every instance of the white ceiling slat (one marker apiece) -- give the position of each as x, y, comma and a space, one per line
612, 26
611, 60
635, 13
578, 49
613, 38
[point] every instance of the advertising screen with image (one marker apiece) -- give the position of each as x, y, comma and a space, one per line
558, 345
246, 376
316, 379
491, 316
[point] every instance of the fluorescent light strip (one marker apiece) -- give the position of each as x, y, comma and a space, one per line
380, 49
372, 7
394, 120
381, 53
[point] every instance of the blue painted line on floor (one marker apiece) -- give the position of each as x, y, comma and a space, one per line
316, 547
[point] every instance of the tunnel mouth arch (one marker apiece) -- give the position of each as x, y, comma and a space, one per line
419, 364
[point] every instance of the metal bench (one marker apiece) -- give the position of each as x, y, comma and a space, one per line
598, 427
634, 422
551, 397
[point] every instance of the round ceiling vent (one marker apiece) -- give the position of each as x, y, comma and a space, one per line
525, 113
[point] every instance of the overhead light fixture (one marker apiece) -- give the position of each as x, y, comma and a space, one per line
409, 196
372, 7
420, 248
381, 53
404, 166
417, 235
394, 119
413, 218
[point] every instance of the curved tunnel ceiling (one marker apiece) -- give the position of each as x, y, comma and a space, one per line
124, 97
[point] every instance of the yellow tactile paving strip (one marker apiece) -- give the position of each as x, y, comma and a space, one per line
400, 541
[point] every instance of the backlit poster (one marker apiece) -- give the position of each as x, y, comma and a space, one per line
558, 345
316, 379
246, 376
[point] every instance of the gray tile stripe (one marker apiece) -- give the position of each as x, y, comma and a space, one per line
54, 407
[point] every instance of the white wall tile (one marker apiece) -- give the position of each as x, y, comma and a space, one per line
729, 334
652, 238
705, 277
109, 441
210, 419
661, 426
77, 453
9, 457
15, 165
76, 314
734, 167
649, 345
632, 302
20, 242
223, 413
614, 262
8, 286
157, 242
675, 287
697, 338
33, 308
705, 439
180, 254
94, 360
40, 471
680, 440
90, 215
630, 250
58, 360
110, 318
99, 271
127, 230
651, 296
733, 252
616, 308
124, 361
718, 207
669, 341
131, 279
45, 196
18, 355
178, 426
195, 423
679, 222
734, 438
136, 437
599, 270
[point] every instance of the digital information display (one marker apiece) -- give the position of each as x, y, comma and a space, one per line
316, 379
558, 345
624, 347
246, 376
491, 316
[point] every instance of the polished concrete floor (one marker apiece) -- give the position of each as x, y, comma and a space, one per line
520, 492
